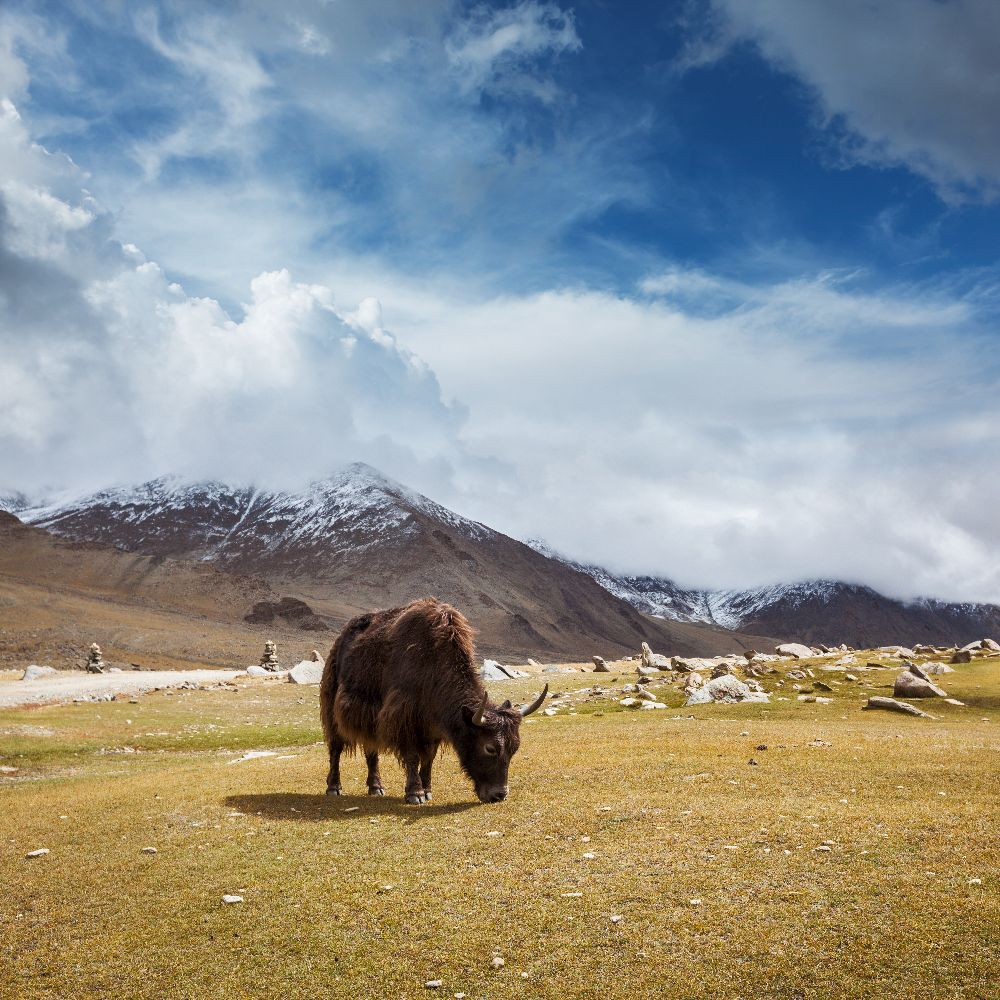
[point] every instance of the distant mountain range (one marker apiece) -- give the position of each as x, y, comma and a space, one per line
813, 611
358, 539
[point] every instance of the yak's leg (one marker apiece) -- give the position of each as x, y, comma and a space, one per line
336, 746
374, 778
426, 762
414, 789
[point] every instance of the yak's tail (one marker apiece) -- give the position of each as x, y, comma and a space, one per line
331, 669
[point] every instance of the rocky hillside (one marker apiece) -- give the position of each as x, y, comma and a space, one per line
359, 540
813, 611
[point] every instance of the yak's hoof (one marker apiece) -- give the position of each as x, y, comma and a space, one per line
427, 796
376, 790
414, 800
333, 790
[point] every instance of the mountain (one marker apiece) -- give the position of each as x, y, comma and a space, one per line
814, 611
358, 540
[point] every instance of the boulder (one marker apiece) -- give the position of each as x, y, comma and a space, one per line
914, 683
256, 670
727, 689
991, 644
974, 647
935, 669
646, 671
721, 669
794, 649
896, 649
600, 666
749, 654
692, 682
891, 705
493, 671
962, 656
306, 672
33, 672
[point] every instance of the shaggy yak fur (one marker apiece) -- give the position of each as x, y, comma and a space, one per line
404, 681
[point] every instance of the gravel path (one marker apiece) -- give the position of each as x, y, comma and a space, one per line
65, 687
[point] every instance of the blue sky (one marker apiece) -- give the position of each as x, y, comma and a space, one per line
707, 289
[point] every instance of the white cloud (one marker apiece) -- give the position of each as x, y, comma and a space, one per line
115, 372
493, 48
898, 82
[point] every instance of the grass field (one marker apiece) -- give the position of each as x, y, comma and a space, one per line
657, 818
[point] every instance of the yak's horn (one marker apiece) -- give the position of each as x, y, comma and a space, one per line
536, 704
477, 719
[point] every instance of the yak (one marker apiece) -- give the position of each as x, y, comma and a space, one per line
405, 681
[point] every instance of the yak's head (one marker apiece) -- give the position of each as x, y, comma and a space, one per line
491, 735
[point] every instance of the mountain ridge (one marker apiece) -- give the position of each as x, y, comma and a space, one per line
358, 539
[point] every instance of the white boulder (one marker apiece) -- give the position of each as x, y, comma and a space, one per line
727, 689
33, 672
794, 649
306, 672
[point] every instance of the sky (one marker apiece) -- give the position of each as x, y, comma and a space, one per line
703, 289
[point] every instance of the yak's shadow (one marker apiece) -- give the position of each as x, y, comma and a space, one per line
327, 808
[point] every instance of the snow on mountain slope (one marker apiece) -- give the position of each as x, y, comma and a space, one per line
813, 610
350, 511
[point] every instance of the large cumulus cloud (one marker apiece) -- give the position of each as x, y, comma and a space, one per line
111, 370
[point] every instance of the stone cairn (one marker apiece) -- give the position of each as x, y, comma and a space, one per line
95, 662
269, 659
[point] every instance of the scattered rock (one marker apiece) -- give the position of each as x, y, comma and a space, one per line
40, 853
656, 660
692, 682
962, 656
794, 649
937, 668
727, 689
955, 701
229, 899
148, 850
493, 671
646, 671
33, 672
306, 672
434, 984
721, 669
891, 705
497, 962
914, 683
601, 666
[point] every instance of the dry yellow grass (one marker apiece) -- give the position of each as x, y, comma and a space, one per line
355, 897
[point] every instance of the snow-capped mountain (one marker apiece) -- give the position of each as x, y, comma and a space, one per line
358, 540
245, 528
813, 611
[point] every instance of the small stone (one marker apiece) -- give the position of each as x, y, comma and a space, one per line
975, 881
228, 899
694, 902
823, 847
590, 855
40, 853
434, 984
761, 746
352, 809
616, 918
148, 850
494, 833
497, 962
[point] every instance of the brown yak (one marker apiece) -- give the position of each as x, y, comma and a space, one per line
404, 681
